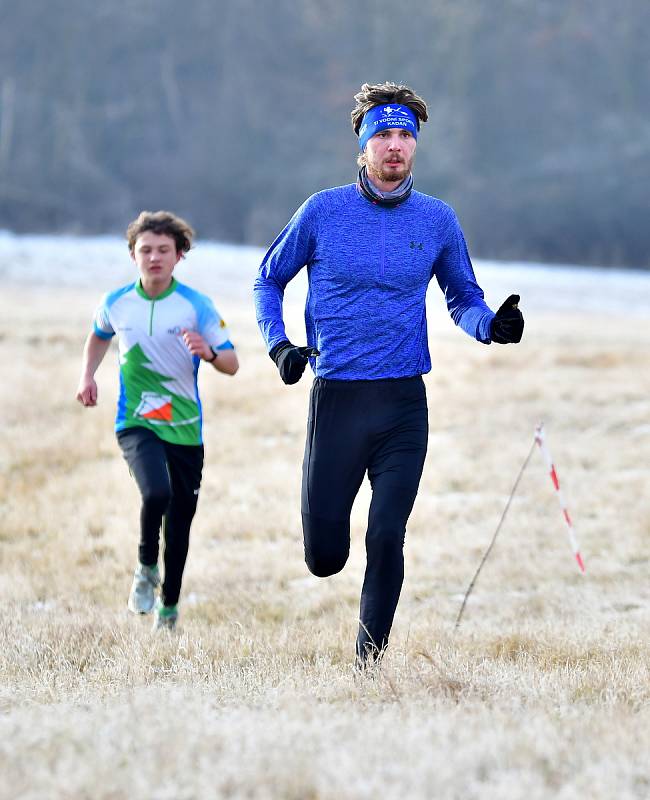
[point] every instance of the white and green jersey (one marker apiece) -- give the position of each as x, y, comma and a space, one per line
158, 374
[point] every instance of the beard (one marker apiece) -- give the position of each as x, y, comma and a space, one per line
391, 174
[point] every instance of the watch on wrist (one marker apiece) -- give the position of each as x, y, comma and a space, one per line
215, 353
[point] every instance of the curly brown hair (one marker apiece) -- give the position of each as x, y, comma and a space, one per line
374, 94
164, 223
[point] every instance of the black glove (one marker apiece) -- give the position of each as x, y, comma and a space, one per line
291, 360
508, 325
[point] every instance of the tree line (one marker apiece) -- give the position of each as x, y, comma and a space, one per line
231, 112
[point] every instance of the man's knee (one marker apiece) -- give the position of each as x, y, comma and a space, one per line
389, 513
325, 563
327, 545
384, 538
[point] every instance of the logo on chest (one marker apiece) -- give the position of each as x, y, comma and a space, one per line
177, 330
416, 245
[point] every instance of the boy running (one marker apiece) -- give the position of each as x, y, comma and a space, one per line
164, 330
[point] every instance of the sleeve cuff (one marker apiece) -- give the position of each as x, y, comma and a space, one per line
102, 334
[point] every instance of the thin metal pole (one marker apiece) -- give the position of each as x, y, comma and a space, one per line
496, 533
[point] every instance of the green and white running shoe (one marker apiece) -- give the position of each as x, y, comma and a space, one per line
145, 582
165, 617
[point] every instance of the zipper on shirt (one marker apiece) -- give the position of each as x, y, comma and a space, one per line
153, 300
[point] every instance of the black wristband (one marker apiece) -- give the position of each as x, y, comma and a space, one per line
214, 356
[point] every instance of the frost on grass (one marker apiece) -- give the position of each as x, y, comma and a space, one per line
543, 691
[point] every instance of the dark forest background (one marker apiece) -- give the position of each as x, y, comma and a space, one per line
231, 112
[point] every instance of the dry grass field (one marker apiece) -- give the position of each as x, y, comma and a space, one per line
543, 692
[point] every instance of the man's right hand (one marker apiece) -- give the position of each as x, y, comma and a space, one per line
291, 360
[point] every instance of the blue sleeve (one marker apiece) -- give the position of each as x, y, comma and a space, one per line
455, 276
290, 252
213, 328
102, 327
211, 324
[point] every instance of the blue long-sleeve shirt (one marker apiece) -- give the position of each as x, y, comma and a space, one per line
369, 267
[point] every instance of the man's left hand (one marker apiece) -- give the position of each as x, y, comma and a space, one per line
508, 324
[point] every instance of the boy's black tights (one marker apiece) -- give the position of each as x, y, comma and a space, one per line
168, 477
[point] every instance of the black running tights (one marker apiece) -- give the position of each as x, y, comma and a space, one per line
168, 477
379, 427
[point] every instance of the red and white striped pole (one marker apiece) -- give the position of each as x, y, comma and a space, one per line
540, 441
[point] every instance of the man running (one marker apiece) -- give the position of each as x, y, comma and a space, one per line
371, 249
164, 329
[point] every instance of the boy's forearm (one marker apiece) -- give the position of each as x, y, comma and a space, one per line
94, 351
226, 362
